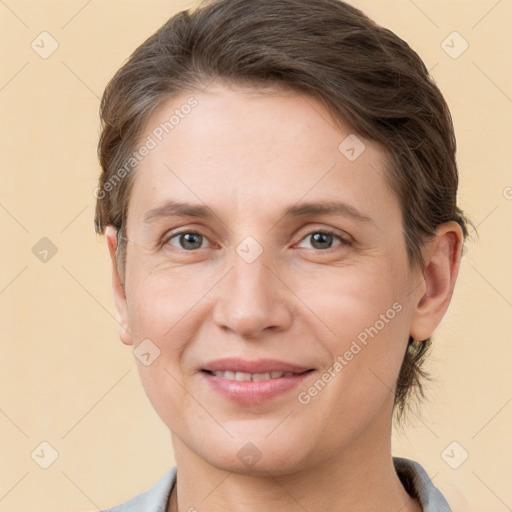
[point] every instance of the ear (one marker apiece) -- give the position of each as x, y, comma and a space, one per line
118, 288
442, 257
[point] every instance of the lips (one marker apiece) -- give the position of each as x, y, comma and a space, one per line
253, 382
230, 375
259, 366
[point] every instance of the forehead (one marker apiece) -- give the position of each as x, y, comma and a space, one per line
243, 149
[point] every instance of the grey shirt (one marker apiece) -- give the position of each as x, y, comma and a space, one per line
412, 475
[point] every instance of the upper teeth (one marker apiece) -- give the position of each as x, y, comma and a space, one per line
251, 376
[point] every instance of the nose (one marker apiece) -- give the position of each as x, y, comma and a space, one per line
252, 299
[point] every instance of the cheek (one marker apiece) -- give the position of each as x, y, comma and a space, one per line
159, 300
160, 309
358, 303
368, 317
165, 307
356, 387
356, 314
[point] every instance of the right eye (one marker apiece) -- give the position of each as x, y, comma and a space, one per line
187, 240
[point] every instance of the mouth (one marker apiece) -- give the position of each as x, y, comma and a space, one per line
258, 367
253, 382
244, 376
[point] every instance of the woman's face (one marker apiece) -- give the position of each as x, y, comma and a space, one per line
288, 257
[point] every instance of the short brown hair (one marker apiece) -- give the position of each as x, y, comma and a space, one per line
326, 49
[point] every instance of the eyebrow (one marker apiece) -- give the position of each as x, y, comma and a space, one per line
178, 209
183, 209
326, 208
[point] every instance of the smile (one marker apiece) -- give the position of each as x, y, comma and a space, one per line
244, 376
248, 382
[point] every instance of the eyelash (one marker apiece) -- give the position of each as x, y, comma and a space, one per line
344, 241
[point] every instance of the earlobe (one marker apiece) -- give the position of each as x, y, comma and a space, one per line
442, 261
118, 289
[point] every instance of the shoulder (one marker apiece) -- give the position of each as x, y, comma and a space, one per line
152, 500
418, 484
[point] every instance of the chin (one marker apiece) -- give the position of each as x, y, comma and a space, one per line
256, 455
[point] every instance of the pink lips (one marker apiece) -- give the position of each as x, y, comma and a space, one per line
253, 391
235, 364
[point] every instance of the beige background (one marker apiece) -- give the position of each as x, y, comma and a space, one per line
66, 378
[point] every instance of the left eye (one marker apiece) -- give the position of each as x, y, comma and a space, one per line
188, 240
323, 239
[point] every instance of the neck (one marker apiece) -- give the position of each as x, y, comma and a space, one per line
358, 478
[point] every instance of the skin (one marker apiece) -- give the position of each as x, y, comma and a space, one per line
248, 155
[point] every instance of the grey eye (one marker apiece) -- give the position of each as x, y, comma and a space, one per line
322, 240
188, 240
